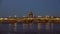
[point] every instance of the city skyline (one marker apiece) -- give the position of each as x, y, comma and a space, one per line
22, 7
29, 15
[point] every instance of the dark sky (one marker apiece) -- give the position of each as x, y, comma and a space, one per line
22, 7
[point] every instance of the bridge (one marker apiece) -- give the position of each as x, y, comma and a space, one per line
48, 20
29, 20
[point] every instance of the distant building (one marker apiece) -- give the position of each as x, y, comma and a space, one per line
15, 16
47, 16
30, 15
9, 16
39, 16
24, 16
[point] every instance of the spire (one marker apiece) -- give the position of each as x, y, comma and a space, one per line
30, 11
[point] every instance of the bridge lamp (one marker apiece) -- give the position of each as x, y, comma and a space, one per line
1, 18
5, 18
57, 18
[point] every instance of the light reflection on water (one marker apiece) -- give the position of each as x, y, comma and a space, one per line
6, 27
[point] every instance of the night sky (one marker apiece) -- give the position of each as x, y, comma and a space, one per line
22, 7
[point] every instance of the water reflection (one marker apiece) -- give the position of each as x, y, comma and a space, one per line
19, 28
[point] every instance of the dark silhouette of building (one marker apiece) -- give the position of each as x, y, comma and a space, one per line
30, 14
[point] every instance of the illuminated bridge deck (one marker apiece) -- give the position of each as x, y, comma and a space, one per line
30, 20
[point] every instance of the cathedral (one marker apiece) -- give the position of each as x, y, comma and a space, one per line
30, 15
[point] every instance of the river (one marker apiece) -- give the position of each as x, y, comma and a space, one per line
5, 29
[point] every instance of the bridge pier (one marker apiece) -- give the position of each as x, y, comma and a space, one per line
39, 26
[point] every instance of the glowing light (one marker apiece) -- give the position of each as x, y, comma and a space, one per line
1, 18
57, 18
5, 18
47, 16
9, 16
24, 16
15, 16
39, 16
